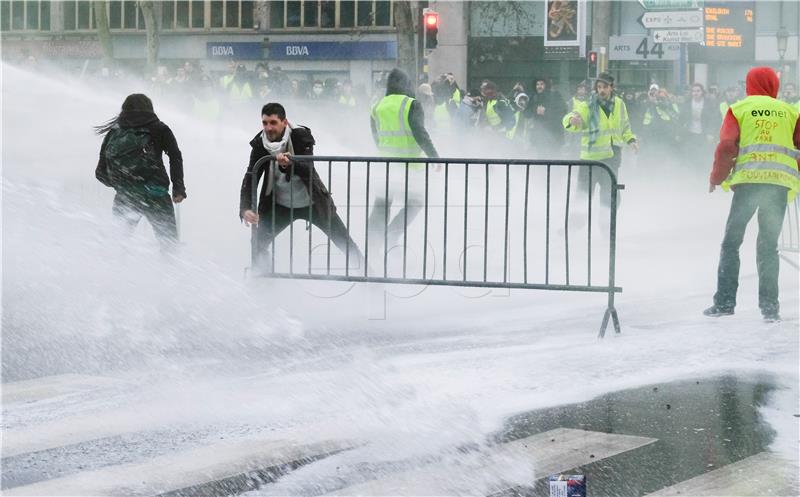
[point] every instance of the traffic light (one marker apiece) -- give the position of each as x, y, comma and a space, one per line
591, 59
430, 20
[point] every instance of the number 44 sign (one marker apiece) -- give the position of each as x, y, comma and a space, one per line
641, 47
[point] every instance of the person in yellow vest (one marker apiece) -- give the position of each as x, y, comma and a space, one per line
497, 114
346, 97
519, 132
456, 94
398, 129
659, 125
757, 157
580, 96
731, 96
605, 127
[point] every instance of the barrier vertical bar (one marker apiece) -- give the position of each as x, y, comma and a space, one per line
405, 223
444, 256
566, 224
347, 227
386, 224
505, 233
589, 235
525, 227
486, 223
466, 204
547, 232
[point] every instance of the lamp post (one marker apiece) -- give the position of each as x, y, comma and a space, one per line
782, 37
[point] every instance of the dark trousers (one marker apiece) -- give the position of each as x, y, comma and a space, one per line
272, 223
158, 209
600, 178
770, 202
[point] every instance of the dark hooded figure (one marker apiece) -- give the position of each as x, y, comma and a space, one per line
131, 163
757, 157
545, 110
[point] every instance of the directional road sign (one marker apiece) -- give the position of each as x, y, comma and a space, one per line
672, 19
678, 35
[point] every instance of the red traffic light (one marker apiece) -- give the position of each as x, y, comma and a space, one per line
593, 57
431, 19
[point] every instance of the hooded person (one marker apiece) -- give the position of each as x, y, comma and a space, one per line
757, 156
131, 163
404, 138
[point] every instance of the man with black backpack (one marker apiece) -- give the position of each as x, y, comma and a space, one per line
131, 163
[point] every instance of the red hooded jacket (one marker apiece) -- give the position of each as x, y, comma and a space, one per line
760, 81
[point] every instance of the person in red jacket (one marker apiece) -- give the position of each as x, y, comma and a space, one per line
765, 173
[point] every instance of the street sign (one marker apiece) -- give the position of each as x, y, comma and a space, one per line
672, 19
641, 47
678, 35
671, 4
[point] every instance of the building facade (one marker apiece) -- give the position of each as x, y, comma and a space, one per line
344, 39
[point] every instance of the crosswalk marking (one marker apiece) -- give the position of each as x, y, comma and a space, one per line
220, 464
52, 386
763, 474
553, 451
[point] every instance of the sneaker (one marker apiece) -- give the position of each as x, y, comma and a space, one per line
771, 317
716, 312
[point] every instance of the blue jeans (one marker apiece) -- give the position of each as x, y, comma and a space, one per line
770, 202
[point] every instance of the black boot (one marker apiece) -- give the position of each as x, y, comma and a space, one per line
716, 312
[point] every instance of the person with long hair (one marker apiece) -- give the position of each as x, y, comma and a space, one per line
131, 163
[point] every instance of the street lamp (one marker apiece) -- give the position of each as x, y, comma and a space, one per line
782, 37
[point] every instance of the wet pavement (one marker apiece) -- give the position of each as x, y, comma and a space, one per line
701, 425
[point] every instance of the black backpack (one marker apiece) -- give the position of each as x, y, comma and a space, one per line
132, 156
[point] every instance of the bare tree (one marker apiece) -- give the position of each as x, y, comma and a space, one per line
103, 33
152, 28
406, 29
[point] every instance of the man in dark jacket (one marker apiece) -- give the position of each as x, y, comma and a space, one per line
292, 190
544, 113
131, 163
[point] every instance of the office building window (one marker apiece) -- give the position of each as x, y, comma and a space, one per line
330, 13
21, 15
78, 15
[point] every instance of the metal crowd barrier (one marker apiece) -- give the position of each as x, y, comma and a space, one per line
494, 223
790, 234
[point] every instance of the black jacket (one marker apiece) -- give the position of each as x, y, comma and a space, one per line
164, 141
303, 144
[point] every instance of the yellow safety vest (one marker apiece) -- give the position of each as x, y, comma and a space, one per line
348, 101
575, 102
766, 144
614, 130
492, 117
664, 115
394, 131
456, 96
441, 116
512, 133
